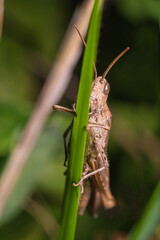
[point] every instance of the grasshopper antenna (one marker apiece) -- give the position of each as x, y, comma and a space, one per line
114, 61
84, 43
95, 71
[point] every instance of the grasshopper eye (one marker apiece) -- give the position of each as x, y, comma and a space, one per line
106, 88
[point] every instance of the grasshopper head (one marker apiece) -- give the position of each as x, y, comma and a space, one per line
100, 91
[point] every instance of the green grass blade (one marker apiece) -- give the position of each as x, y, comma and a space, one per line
71, 195
150, 219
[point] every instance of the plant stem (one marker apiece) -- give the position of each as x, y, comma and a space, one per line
78, 139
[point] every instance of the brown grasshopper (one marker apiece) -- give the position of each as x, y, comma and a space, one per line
96, 189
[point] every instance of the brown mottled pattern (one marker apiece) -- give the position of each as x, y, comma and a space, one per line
99, 124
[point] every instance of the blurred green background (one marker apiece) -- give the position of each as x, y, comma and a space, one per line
32, 33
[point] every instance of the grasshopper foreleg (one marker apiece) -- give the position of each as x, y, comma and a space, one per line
64, 109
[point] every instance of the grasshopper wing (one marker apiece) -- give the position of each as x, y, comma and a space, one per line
102, 180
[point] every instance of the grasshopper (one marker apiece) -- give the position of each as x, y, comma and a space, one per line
95, 190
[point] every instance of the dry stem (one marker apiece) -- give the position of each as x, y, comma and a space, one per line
1, 15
